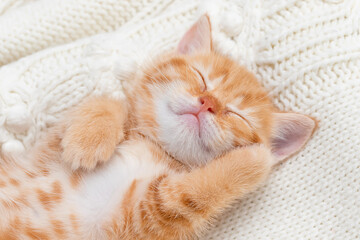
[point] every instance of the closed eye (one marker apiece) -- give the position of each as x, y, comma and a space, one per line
201, 76
239, 116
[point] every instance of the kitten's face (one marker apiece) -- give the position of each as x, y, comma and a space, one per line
203, 105
197, 104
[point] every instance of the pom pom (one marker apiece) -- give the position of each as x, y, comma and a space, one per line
11, 147
18, 119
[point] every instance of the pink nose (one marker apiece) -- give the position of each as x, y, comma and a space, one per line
207, 104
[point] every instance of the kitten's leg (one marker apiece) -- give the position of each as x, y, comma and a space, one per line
180, 205
92, 131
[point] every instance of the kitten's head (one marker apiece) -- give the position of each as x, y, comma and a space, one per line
198, 104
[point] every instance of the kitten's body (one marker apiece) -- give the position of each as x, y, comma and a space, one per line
44, 199
182, 154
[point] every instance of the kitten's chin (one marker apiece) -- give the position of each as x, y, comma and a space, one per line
185, 134
193, 159
191, 121
184, 142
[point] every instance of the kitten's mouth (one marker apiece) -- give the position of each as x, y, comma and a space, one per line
188, 116
192, 122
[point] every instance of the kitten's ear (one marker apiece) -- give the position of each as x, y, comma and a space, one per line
197, 38
291, 132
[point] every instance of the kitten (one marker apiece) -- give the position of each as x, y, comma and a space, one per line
196, 133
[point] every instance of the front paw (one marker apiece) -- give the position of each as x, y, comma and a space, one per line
263, 152
92, 132
87, 150
257, 154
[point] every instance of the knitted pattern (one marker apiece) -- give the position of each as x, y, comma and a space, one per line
305, 52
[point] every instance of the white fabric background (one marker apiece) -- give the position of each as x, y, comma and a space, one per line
54, 53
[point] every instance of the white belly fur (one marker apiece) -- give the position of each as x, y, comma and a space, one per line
102, 190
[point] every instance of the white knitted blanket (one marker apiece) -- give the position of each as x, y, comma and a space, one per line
54, 53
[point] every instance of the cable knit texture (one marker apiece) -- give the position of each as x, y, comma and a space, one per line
54, 53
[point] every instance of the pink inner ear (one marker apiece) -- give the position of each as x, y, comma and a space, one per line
291, 132
197, 38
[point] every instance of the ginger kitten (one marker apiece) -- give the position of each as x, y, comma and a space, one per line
197, 132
